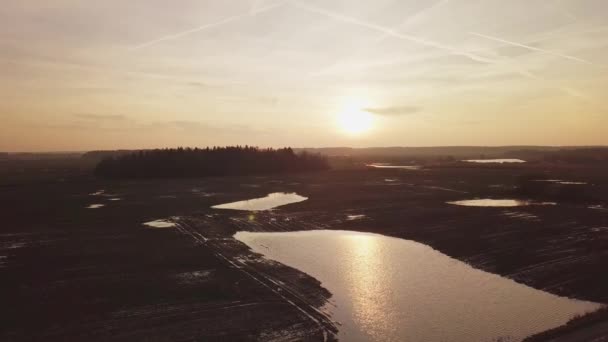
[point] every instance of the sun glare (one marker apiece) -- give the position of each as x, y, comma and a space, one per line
354, 120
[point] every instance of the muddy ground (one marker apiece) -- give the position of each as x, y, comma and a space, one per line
71, 274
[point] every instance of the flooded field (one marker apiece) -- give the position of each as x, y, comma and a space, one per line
271, 201
389, 289
163, 262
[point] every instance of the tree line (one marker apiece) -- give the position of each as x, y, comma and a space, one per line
208, 162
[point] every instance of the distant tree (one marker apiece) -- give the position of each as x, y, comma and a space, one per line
218, 161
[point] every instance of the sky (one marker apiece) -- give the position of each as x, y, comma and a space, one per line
113, 74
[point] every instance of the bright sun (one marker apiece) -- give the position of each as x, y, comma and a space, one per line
354, 120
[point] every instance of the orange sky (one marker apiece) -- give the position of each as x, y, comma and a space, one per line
82, 75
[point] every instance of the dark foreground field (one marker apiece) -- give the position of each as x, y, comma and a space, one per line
72, 274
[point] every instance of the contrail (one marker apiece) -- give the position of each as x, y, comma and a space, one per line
389, 31
395, 34
207, 26
532, 48
384, 36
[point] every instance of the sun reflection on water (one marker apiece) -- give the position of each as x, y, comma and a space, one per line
373, 309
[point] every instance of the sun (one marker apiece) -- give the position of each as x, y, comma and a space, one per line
354, 120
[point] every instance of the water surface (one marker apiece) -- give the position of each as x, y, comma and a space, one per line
160, 224
506, 203
271, 201
388, 289
95, 206
495, 161
389, 166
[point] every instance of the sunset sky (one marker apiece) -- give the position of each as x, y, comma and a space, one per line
84, 75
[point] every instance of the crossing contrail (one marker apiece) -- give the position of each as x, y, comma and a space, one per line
252, 12
389, 31
393, 33
557, 54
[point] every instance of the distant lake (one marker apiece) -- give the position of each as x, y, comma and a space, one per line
487, 202
389, 289
271, 201
495, 161
389, 166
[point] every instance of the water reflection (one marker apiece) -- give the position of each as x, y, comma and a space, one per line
355, 217
160, 224
388, 166
387, 289
271, 201
494, 161
95, 206
504, 203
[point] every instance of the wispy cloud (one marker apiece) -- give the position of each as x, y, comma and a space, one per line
394, 111
252, 12
112, 117
533, 48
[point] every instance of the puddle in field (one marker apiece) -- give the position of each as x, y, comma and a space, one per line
271, 201
98, 193
195, 277
389, 289
559, 181
160, 224
389, 166
115, 199
355, 217
495, 161
486, 202
95, 206
521, 216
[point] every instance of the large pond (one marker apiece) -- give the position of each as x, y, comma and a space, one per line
389, 289
271, 201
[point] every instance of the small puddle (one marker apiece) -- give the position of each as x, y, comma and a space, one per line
98, 193
389, 289
388, 166
160, 224
355, 217
559, 181
271, 201
504, 203
495, 161
95, 206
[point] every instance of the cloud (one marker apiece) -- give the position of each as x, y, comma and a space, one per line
198, 127
101, 117
394, 111
252, 12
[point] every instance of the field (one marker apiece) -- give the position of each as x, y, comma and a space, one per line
72, 273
